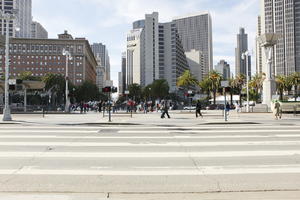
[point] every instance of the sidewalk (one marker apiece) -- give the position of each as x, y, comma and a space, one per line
178, 118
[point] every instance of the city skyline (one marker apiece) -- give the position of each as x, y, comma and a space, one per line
115, 19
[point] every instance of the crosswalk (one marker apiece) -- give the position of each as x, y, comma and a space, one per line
131, 153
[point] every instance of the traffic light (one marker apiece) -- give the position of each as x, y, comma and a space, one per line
106, 89
114, 89
12, 87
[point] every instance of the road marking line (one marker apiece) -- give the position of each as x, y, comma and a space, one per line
210, 154
148, 137
178, 172
48, 131
211, 131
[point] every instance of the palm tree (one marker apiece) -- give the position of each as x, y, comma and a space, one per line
186, 80
238, 84
205, 86
281, 81
215, 81
256, 83
295, 80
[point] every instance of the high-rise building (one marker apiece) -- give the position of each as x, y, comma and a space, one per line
154, 51
282, 17
172, 59
24, 18
101, 50
134, 66
38, 31
123, 70
259, 60
195, 32
195, 60
100, 73
223, 68
8, 6
242, 47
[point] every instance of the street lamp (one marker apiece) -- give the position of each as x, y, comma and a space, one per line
245, 56
68, 57
268, 41
7, 17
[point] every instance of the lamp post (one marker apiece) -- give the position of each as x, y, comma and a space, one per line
68, 57
7, 17
268, 41
245, 56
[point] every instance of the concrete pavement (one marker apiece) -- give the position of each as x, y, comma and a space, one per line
82, 157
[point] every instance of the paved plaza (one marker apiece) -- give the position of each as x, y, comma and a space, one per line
83, 157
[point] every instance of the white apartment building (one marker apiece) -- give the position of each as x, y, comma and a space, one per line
134, 57
38, 31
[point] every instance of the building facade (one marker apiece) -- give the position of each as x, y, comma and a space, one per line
43, 56
24, 18
282, 17
134, 59
101, 50
154, 51
100, 73
223, 68
259, 51
195, 32
196, 63
242, 47
8, 6
123, 70
38, 31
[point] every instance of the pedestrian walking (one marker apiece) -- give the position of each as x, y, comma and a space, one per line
100, 106
165, 110
227, 108
198, 109
277, 110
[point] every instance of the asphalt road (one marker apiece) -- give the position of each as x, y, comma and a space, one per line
128, 162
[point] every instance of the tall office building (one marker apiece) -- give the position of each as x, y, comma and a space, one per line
100, 73
195, 32
123, 70
154, 51
38, 31
259, 59
101, 50
283, 17
223, 68
24, 18
134, 66
242, 47
8, 6
172, 58
196, 63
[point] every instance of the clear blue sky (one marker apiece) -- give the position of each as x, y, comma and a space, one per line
108, 21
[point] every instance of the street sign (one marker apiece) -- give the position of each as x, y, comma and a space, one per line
12, 81
224, 83
126, 92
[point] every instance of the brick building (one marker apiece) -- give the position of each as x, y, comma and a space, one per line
42, 56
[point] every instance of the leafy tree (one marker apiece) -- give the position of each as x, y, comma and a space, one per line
186, 80
27, 76
256, 84
215, 81
205, 86
55, 84
238, 84
88, 91
160, 88
135, 91
295, 80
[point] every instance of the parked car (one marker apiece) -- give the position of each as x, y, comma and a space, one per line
192, 107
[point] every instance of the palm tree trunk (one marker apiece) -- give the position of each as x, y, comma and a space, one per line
296, 92
215, 94
231, 97
240, 94
281, 95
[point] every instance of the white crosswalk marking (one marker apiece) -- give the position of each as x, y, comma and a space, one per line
133, 151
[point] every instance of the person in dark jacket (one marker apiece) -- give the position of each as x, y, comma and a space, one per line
165, 110
198, 109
